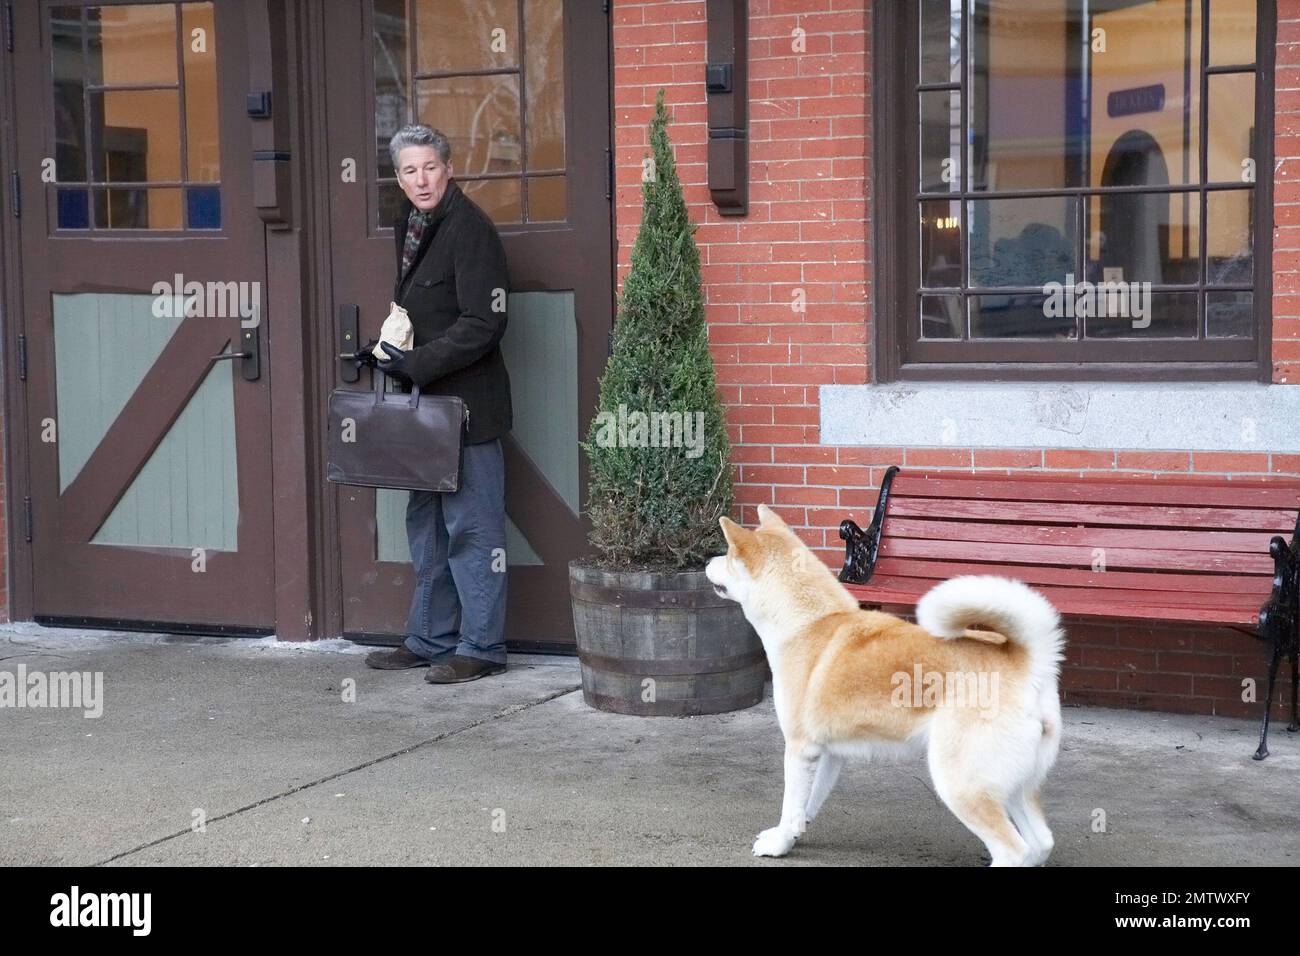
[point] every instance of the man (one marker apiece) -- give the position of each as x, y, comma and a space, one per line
452, 280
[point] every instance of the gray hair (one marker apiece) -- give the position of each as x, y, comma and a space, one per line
417, 134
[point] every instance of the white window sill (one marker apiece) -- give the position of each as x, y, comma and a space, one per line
1200, 417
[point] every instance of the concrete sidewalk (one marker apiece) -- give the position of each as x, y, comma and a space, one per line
258, 739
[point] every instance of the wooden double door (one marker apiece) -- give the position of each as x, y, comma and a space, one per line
521, 89
145, 341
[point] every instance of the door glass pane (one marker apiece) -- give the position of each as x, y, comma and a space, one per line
138, 208
131, 45
138, 133
499, 198
544, 82
202, 139
471, 61
480, 115
390, 525
547, 198
123, 114
461, 35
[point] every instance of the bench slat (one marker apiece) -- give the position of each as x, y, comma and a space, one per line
1114, 596
1077, 577
1014, 512
924, 529
1073, 556
1071, 602
1093, 491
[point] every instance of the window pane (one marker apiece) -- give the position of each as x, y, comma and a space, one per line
1026, 94
454, 35
1231, 127
1229, 237
1133, 312
132, 45
941, 317
1022, 242
69, 75
1146, 94
138, 209
499, 198
135, 135
547, 198
480, 115
73, 209
544, 76
1230, 315
390, 201
1145, 237
941, 141
940, 41
1232, 32
940, 244
389, 47
202, 138
1019, 317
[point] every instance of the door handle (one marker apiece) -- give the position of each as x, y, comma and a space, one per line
349, 320
250, 357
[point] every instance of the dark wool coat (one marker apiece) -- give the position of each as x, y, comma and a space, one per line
455, 294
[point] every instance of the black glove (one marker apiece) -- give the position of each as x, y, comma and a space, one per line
397, 365
364, 357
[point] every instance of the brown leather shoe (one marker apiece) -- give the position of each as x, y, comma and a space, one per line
461, 669
399, 658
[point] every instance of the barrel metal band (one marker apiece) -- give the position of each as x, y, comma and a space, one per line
668, 668
645, 598
673, 708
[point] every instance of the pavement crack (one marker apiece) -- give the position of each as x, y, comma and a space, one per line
501, 714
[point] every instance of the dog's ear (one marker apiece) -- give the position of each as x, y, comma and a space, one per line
737, 536
768, 517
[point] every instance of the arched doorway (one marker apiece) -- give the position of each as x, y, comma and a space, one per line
1135, 226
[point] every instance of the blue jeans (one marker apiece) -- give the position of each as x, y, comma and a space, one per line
458, 543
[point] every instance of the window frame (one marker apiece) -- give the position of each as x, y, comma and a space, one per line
900, 356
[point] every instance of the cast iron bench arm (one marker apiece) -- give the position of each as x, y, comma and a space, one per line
1279, 622
863, 547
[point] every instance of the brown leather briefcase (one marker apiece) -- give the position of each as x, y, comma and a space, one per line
393, 440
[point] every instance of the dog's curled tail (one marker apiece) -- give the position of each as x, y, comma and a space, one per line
997, 604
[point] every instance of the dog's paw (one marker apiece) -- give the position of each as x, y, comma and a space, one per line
775, 841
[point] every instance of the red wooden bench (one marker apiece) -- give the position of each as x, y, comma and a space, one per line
1191, 550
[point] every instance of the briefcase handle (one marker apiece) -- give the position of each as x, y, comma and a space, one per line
377, 377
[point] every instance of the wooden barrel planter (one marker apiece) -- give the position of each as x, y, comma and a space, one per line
662, 644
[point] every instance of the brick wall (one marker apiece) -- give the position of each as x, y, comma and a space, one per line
809, 228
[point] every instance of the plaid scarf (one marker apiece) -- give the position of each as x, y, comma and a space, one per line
415, 228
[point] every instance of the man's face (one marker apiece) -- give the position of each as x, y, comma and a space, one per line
422, 175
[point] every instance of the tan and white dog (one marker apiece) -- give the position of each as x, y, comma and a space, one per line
972, 685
